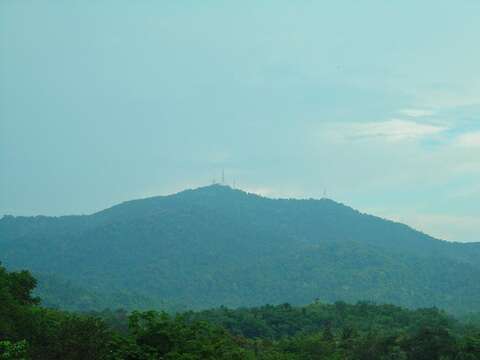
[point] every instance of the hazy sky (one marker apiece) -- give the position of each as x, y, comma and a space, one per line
377, 101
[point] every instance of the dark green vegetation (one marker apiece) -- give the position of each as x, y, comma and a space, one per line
318, 331
218, 246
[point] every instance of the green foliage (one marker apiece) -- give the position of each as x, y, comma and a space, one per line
15, 300
276, 322
13, 350
172, 338
29, 331
363, 331
339, 331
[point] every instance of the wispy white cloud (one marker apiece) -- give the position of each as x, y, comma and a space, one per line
445, 226
416, 112
274, 192
391, 130
262, 191
468, 140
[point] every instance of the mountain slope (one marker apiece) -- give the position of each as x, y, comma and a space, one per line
216, 245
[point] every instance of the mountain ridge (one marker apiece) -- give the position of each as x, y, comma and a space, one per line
225, 189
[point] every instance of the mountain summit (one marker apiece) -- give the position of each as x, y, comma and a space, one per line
221, 246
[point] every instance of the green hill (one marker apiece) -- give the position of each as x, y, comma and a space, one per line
220, 246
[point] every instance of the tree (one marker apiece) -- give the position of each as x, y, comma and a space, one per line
13, 350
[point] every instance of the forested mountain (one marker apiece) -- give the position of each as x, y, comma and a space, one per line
220, 246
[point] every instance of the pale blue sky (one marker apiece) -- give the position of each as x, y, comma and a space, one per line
377, 101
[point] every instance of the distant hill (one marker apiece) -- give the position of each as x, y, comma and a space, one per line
220, 246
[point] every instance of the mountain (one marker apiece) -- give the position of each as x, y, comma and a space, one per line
220, 246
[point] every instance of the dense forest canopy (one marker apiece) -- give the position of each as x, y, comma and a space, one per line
317, 331
216, 246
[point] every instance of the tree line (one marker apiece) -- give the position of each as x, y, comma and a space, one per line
317, 331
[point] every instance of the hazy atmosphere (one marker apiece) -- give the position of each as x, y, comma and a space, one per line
107, 101
248, 180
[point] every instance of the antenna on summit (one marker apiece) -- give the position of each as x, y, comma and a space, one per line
223, 176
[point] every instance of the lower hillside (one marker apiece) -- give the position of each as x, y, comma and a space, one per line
58, 293
330, 272
317, 331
